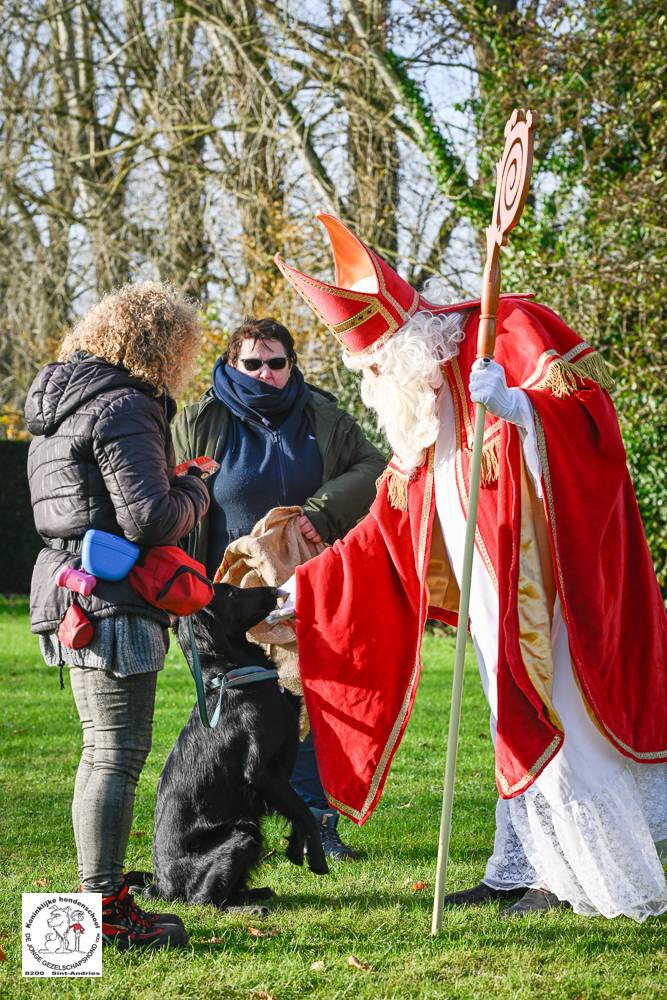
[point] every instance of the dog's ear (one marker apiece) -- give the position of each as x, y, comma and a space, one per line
222, 594
222, 618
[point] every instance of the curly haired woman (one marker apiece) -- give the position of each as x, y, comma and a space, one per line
102, 458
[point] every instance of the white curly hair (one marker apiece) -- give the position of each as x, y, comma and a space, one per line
401, 378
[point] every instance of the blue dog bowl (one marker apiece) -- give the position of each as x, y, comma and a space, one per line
107, 556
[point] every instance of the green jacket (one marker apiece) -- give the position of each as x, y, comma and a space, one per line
350, 463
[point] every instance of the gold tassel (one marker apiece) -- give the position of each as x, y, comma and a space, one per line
491, 460
397, 487
563, 377
594, 367
560, 379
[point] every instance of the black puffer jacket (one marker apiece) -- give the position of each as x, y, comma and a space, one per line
102, 457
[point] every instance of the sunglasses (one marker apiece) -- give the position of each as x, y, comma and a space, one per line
254, 364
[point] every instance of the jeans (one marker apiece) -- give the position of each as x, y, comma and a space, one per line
116, 715
305, 778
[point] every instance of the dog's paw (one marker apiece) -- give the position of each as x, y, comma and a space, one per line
294, 852
137, 880
296, 843
247, 911
317, 863
261, 892
141, 884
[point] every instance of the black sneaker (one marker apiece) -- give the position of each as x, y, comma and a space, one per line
481, 894
535, 901
332, 845
125, 926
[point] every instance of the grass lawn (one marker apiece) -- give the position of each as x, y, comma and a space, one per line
368, 909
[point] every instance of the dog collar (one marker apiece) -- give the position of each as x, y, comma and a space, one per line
232, 678
242, 675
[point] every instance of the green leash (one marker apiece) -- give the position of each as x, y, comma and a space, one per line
232, 678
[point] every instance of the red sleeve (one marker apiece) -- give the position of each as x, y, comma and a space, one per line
361, 608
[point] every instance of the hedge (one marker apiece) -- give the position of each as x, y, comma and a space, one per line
20, 543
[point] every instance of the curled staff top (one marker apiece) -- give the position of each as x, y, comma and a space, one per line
512, 175
512, 183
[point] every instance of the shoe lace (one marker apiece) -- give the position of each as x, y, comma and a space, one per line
126, 904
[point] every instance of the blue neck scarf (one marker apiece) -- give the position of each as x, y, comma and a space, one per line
251, 399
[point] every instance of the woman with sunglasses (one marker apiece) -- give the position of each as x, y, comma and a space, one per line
280, 442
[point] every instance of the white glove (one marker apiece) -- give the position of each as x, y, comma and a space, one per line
488, 386
288, 610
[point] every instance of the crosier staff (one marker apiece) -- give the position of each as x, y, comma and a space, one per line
512, 182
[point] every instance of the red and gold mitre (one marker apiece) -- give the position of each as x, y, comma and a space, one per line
369, 301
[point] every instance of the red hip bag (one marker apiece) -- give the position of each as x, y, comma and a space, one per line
168, 578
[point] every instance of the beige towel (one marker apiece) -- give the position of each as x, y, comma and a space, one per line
267, 557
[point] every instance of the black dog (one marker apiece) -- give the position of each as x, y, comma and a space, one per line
216, 785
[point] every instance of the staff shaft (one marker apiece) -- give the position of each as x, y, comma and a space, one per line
512, 182
457, 681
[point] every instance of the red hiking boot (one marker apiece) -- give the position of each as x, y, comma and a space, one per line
124, 925
135, 882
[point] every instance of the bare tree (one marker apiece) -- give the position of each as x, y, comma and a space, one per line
372, 148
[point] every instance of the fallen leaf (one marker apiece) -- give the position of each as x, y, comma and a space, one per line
354, 963
317, 966
2, 955
260, 995
138, 833
269, 932
41, 881
419, 886
213, 940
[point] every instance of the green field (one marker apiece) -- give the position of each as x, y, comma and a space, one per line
368, 909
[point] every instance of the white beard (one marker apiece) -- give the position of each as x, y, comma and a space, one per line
405, 392
406, 409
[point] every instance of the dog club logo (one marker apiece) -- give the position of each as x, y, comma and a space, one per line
62, 935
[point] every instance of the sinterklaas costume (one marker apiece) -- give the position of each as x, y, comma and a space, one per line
565, 615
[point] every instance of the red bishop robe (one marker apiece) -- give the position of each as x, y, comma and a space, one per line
363, 603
